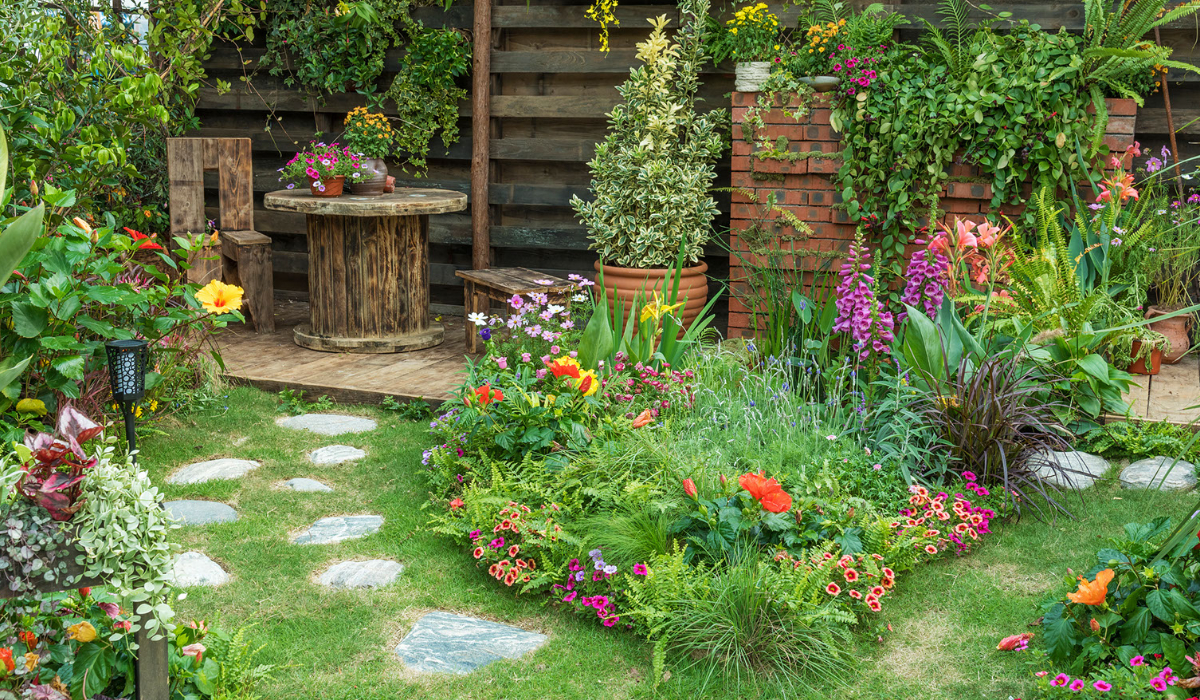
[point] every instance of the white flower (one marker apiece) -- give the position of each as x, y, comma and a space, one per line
579, 297
831, 438
478, 319
554, 309
544, 283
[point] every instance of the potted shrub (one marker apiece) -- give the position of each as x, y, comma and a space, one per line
370, 136
751, 39
652, 174
1146, 352
324, 167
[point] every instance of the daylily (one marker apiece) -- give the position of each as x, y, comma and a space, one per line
1120, 188
146, 242
656, 309
1092, 592
644, 418
486, 394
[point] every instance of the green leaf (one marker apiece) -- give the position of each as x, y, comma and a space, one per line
92, 669
17, 239
1059, 632
1158, 603
1174, 649
1135, 628
29, 320
1095, 366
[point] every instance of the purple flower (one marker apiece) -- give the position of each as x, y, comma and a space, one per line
485, 333
859, 312
928, 274
474, 534
640, 569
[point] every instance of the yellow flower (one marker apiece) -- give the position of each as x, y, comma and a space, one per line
588, 382
31, 661
138, 413
81, 632
153, 405
656, 309
219, 298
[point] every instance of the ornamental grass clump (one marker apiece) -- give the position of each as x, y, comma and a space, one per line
651, 175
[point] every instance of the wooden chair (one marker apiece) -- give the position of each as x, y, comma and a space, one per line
245, 255
499, 284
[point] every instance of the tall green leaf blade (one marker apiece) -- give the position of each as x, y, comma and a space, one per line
18, 238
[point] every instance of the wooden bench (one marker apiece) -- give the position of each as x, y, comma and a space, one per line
246, 262
246, 259
499, 284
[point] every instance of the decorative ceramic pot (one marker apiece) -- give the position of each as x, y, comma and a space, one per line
391, 184
1141, 366
330, 187
1176, 330
820, 83
749, 76
371, 178
625, 283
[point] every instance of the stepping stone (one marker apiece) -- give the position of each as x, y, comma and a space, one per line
1158, 473
443, 642
212, 470
334, 530
361, 574
196, 569
1081, 468
335, 454
303, 484
327, 423
201, 512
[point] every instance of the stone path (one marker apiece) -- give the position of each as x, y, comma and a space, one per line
1159, 473
196, 569
361, 574
201, 512
334, 530
335, 454
212, 470
309, 485
1077, 470
443, 642
327, 423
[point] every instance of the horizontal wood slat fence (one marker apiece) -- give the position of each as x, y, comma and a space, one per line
551, 89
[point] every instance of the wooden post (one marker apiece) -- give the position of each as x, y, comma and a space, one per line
236, 176
481, 107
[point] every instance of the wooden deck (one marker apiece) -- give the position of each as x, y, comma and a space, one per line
274, 363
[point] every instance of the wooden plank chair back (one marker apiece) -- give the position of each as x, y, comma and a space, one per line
244, 256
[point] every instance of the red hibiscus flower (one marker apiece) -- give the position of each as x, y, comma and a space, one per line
769, 494
146, 242
486, 394
456, 504
689, 487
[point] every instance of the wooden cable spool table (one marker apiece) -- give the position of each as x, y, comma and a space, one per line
368, 268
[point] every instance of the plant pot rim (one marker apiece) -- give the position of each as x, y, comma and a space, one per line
1156, 311
692, 269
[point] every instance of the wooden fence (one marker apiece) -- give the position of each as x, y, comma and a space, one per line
551, 89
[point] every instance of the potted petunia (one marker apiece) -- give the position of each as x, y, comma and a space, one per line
324, 167
751, 39
652, 174
370, 136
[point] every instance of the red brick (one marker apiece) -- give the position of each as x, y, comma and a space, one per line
816, 132
741, 195
775, 165
816, 182
1012, 209
739, 114
1118, 143
821, 198
791, 132
795, 198
840, 216
832, 231
952, 205
743, 99
744, 211
962, 170
812, 215
742, 179
824, 165
740, 164
742, 148
819, 116
968, 190
1120, 107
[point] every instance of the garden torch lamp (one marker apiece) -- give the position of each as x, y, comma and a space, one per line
127, 376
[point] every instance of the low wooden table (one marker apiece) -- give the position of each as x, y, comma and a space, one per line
368, 268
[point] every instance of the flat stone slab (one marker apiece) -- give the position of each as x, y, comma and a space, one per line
335, 454
327, 423
302, 484
443, 642
361, 574
334, 530
201, 512
1081, 468
213, 470
196, 569
1158, 473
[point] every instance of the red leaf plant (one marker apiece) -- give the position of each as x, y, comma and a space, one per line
57, 464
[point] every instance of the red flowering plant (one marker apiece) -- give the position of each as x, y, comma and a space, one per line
596, 587
514, 541
756, 511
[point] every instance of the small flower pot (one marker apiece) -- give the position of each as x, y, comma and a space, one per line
749, 76
331, 187
821, 83
1176, 330
1146, 365
390, 186
371, 180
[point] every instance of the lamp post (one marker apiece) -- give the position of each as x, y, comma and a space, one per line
127, 377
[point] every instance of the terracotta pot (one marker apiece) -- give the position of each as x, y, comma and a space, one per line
750, 75
1140, 367
1176, 330
625, 283
390, 186
333, 187
371, 180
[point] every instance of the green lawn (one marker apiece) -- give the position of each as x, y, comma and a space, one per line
946, 617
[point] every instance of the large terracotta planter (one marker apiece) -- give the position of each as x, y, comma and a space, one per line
1176, 330
625, 283
1146, 365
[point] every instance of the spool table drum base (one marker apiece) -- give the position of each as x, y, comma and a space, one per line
368, 283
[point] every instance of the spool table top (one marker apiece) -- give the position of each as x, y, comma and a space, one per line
406, 201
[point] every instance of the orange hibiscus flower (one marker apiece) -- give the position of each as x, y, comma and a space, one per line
486, 394
769, 494
1092, 592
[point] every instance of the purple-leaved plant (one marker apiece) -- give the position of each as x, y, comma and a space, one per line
927, 274
859, 312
